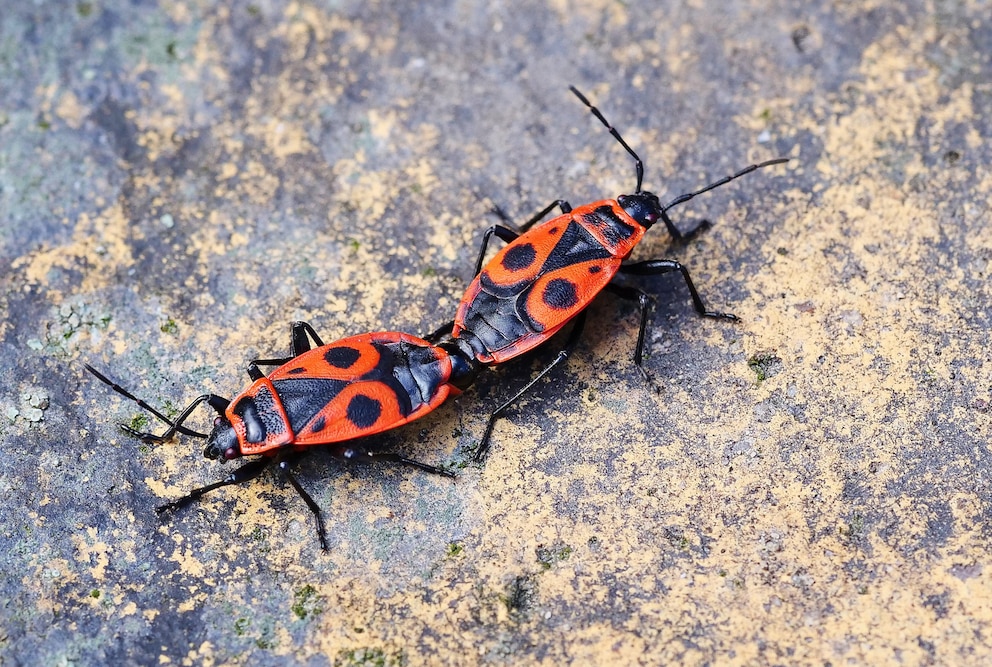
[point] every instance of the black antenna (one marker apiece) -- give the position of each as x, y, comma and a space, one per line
681, 199
638, 165
174, 427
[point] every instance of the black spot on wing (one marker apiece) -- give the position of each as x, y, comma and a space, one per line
560, 294
391, 357
342, 357
364, 411
519, 257
575, 246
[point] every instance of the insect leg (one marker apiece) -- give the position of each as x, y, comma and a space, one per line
299, 345
562, 205
573, 339
504, 233
242, 474
300, 342
436, 335
653, 267
314, 508
509, 235
358, 454
643, 301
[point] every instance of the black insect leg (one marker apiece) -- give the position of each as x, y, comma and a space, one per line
242, 474
683, 198
643, 301
299, 345
509, 235
573, 339
314, 508
442, 330
357, 454
218, 403
653, 267
562, 205
300, 342
686, 236
504, 233
246, 473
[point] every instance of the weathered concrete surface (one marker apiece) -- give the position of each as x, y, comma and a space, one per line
179, 181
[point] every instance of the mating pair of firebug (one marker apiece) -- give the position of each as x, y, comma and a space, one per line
338, 394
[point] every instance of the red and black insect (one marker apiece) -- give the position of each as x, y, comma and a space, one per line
548, 274
331, 395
